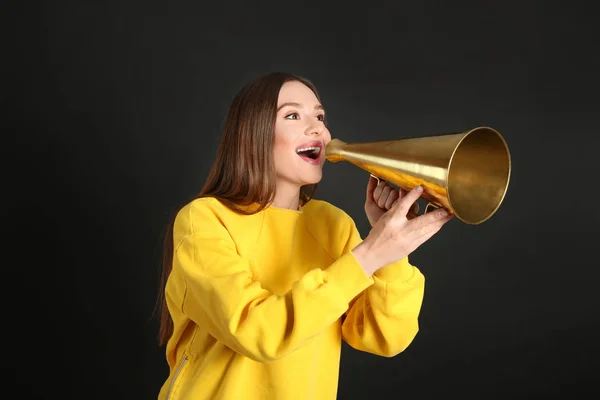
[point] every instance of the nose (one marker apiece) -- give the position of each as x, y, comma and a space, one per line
314, 129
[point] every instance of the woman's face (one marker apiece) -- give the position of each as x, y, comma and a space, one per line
300, 137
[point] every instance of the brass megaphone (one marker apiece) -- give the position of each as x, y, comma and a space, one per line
466, 173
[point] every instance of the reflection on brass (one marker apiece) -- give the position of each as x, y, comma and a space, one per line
466, 173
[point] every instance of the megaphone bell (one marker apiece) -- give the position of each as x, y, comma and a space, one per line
466, 173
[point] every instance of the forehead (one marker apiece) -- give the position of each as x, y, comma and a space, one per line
297, 92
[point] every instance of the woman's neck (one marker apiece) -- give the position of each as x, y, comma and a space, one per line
288, 198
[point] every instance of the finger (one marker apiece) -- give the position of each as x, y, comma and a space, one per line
416, 208
423, 222
371, 185
430, 230
392, 197
414, 211
403, 206
377, 191
385, 192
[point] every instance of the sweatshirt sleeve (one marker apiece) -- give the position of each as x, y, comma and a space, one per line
221, 295
383, 320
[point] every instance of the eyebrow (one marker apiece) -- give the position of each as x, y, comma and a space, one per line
291, 103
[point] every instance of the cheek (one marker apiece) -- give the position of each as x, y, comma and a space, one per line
282, 148
326, 136
283, 140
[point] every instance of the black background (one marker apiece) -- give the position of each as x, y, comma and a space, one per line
114, 112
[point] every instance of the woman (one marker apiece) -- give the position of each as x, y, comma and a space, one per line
262, 282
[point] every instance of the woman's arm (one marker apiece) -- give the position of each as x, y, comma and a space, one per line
383, 319
221, 295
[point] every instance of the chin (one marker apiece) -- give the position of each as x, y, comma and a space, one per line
313, 181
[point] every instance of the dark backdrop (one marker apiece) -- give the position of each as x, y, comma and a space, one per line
114, 121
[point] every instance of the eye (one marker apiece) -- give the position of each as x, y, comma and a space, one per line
321, 117
295, 115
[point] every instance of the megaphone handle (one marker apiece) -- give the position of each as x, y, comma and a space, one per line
377, 178
430, 207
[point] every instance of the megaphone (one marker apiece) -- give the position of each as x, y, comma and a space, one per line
466, 173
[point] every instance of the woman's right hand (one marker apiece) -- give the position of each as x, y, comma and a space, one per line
396, 235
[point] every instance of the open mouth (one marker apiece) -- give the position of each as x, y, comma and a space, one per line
310, 152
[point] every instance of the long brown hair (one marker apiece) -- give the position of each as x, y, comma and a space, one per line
243, 173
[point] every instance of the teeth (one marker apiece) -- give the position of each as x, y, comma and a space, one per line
318, 149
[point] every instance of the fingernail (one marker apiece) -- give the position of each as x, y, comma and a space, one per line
442, 213
419, 189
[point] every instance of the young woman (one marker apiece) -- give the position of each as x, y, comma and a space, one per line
262, 282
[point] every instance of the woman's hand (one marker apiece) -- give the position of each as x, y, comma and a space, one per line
381, 197
394, 236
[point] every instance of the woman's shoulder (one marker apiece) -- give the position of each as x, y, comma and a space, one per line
202, 210
201, 206
207, 203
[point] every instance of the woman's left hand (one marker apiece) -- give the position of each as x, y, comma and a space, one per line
380, 198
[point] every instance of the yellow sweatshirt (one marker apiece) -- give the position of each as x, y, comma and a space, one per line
261, 303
